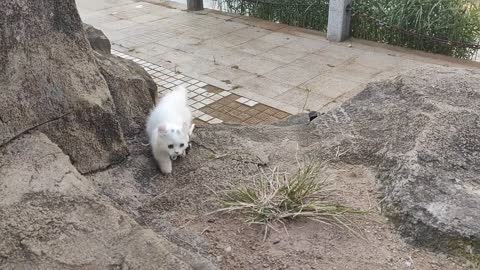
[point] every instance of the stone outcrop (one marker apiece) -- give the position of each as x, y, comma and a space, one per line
59, 120
97, 39
51, 217
49, 80
133, 90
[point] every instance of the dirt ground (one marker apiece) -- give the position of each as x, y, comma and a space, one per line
302, 244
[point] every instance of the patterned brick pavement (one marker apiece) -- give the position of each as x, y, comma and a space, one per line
209, 104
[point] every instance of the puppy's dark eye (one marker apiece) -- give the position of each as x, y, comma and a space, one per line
170, 146
181, 145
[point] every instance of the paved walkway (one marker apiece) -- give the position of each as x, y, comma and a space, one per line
267, 69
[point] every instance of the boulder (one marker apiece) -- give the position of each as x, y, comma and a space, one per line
430, 172
97, 39
49, 81
133, 90
421, 132
51, 217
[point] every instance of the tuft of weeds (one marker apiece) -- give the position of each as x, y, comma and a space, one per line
276, 198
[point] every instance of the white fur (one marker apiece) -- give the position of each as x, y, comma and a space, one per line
170, 124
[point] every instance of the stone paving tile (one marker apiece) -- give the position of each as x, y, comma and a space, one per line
307, 100
117, 25
266, 86
98, 18
319, 62
144, 18
225, 56
259, 23
379, 61
342, 53
96, 5
307, 45
209, 104
232, 39
255, 46
251, 32
245, 113
177, 41
355, 72
292, 74
228, 73
278, 39
284, 54
329, 86
259, 65
150, 49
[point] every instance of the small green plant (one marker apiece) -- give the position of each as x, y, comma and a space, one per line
275, 198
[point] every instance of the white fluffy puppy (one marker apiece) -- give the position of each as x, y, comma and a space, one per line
169, 128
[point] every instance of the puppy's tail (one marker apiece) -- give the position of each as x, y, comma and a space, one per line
179, 95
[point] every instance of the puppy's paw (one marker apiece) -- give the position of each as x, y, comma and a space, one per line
167, 171
192, 127
165, 166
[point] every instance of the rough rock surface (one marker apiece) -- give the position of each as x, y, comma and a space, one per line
97, 39
51, 217
133, 91
423, 131
49, 81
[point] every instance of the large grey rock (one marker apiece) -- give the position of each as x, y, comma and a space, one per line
425, 132
97, 39
49, 81
51, 217
133, 90
421, 132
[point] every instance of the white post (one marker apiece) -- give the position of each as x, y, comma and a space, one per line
339, 16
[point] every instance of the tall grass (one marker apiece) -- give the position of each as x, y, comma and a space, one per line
438, 26
311, 14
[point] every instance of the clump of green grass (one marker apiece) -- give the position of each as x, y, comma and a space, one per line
447, 27
311, 14
276, 198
